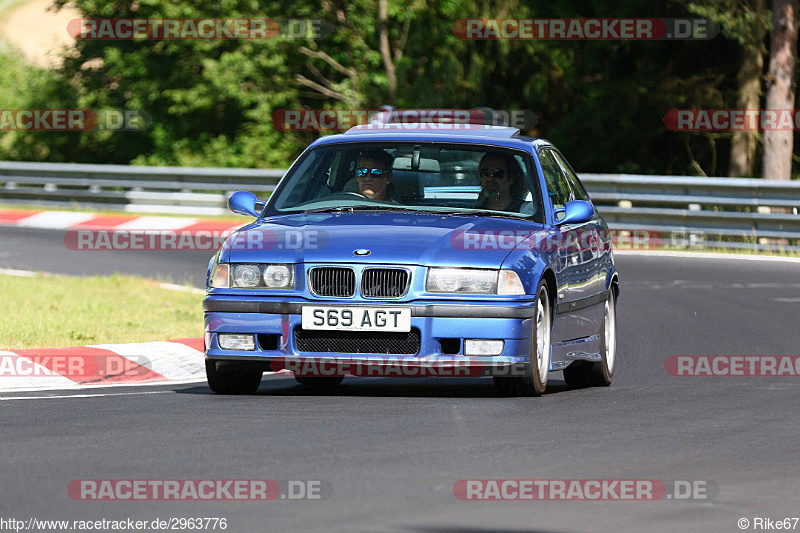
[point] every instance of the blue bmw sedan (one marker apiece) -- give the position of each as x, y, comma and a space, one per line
447, 251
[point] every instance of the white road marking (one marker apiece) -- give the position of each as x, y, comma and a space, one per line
180, 288
84, 395
54, 219
282, 373
157, 223
692, 285
85, 386
21, 273
703, 255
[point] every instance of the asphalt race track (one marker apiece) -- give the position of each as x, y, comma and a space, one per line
392, 449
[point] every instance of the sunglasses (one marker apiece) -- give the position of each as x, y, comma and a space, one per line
496, 173
376, 172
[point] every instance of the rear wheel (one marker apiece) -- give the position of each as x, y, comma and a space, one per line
233, 381
599, 373
322, 383
534, 379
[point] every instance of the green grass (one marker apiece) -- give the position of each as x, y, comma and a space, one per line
61, 311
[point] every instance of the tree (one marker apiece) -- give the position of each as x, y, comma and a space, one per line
779, 143
746, 22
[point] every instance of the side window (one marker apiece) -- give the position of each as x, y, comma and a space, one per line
577, 188
558, 188
333, 171
308, 173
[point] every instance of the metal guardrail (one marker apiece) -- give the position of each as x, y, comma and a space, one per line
182, 190
734, 212
695, 211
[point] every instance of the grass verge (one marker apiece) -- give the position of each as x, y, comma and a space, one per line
61, 311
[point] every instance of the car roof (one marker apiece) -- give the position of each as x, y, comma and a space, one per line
443, 133
453, 129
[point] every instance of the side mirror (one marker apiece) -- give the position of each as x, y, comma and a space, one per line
576, 212
245, 203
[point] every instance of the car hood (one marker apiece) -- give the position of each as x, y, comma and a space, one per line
391, 237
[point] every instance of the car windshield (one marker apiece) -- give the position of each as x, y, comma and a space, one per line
427, 177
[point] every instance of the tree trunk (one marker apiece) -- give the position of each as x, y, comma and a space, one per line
744, 143
778, 144
386, 54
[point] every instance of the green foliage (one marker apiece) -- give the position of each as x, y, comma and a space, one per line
211, 102
744, 21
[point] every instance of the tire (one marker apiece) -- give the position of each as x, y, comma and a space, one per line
581, 374
534, 380
232, 382
318, 382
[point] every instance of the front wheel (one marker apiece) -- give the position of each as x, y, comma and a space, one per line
232, 382
582, 374
534, 380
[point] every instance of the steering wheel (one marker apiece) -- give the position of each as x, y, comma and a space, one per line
351, 193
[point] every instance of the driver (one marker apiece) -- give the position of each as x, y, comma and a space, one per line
502, 184
374, 174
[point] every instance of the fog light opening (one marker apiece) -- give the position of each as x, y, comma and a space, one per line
450, 346
268, 343
483, 347
229, 341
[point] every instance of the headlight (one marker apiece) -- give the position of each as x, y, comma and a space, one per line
279, 276
457, 280
253, 276
246, 276
473, 281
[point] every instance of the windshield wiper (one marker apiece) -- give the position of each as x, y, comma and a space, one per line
477, 212
352, 208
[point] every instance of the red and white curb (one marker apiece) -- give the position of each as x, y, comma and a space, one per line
68, 220
103, 365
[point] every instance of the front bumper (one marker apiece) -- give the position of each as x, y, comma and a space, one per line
442, 328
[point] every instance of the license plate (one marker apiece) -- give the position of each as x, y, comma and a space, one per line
357, 318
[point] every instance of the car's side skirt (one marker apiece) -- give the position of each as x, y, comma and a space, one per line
585, 349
